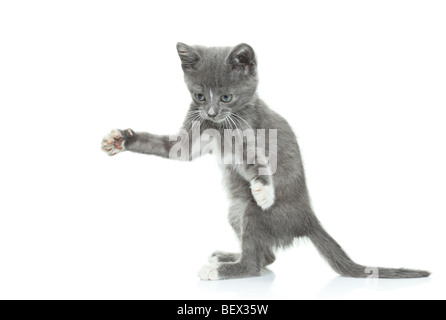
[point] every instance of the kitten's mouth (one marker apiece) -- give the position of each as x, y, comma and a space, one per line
217, 119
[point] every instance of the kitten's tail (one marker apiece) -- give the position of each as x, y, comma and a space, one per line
342, 264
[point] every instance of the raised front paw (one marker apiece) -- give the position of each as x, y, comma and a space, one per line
263, 194
114, 142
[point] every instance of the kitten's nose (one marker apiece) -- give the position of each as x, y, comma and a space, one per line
211, 112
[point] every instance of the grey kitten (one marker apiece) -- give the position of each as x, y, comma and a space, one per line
269, 208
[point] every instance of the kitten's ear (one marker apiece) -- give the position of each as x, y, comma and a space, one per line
243, 58
188, 55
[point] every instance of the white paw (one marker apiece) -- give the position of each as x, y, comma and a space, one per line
113, 142
213, 260
208, 272
263, 194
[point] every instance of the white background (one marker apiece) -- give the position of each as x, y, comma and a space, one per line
361, 82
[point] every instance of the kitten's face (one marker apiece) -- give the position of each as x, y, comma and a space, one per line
221, 80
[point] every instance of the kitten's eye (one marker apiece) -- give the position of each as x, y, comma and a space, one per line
226, 98
200, 97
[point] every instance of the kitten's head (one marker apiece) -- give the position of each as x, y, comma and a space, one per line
221, 80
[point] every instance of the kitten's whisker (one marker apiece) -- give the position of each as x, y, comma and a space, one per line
239, 117
192, 116
225, 123
239, 131
193, 123
238, 121
232, 120
229, 124
192, 113
226, 126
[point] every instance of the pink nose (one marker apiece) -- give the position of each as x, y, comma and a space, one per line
211, 112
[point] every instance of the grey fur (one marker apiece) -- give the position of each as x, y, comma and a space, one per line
234, 71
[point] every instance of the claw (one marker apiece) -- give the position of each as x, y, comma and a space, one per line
116, 134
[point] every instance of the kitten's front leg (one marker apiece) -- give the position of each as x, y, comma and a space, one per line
140, 142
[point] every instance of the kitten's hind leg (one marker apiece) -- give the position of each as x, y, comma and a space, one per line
220, 256
256, 249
